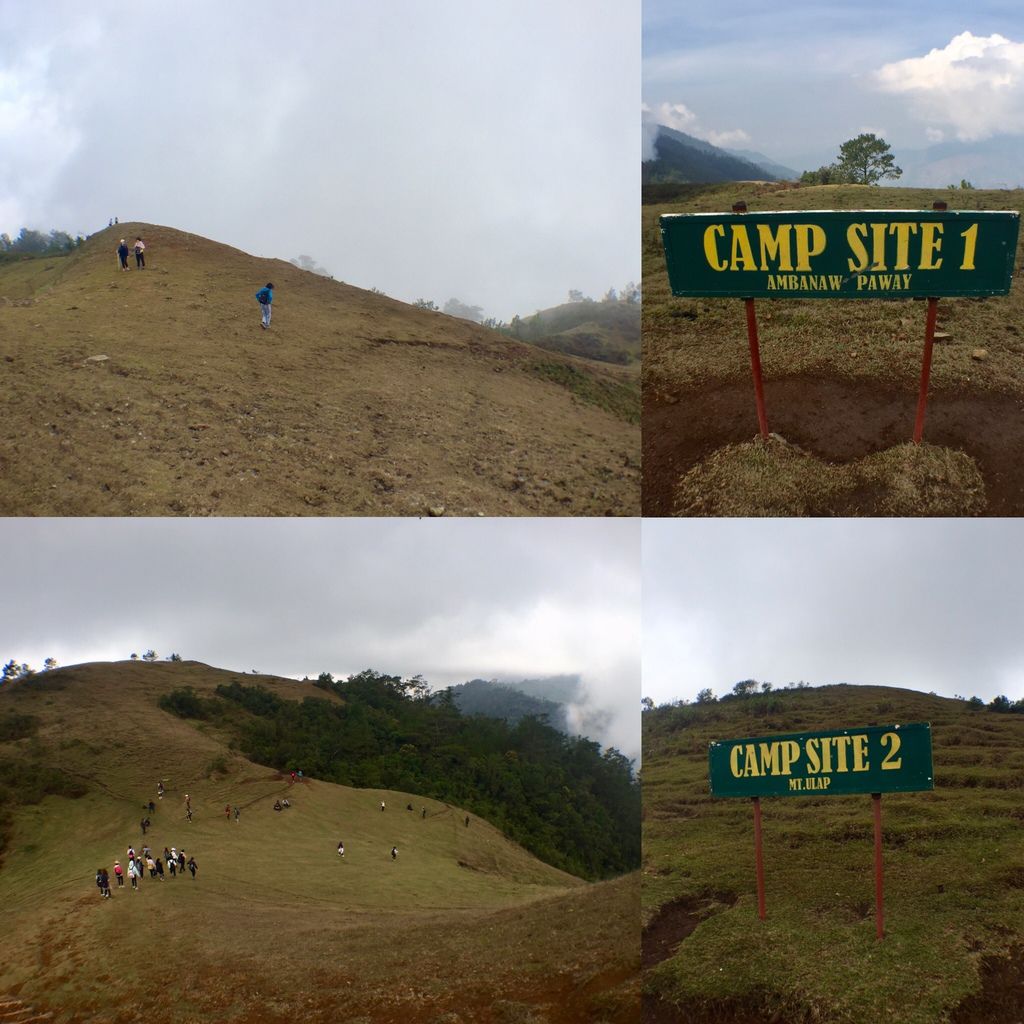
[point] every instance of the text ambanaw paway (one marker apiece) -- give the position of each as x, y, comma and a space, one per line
841, 254
875, 759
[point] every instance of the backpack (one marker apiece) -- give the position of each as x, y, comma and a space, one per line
263, 295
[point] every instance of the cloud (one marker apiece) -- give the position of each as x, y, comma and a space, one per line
975, 84
934, 134
681, 118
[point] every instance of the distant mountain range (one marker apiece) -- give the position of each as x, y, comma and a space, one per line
997, 162
684, 158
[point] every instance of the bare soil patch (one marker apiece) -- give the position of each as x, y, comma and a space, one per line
836, 420
1001, 999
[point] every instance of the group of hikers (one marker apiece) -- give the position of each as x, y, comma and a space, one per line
265, 296
173, 862
140, 254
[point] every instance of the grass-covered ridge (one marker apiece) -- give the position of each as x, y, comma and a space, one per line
954, 865
563, 798
464, 926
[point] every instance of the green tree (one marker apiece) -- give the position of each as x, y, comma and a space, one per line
866, 160
706, 696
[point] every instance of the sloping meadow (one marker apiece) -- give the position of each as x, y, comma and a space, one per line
953, 861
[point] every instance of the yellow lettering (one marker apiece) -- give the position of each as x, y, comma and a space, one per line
854, 240
750, 763
734, 761
891, 760
902, 231
741, 251
810, 242
790, 752
775, 247
930, 245
711, 247
970, 237
813, 758
860, 753
878, 246
770, 758
842, 743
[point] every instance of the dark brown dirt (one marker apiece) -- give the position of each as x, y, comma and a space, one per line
836, 420
673, 923
1001, 999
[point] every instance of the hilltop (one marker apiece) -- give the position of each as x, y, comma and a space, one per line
679, 157
841, 381
156, 392
954, 873
276, 926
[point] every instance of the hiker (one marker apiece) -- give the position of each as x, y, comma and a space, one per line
286, 802
277, 805
143, 824
160, 790
424, 814
140, 253
227, 812
172, 866
122, 255
133, 874
394, 853
188, 813
188, 801
151, 864
181, 862
265, 297
159, 869
467, 821
341, 849
291, 781
193, 867
408, 807
382, 806
99, 881
238, 814
119, 874
152, 807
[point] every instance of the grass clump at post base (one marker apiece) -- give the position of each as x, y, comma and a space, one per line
773, 478
953, 860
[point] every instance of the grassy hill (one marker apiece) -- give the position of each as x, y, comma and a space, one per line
954, 873
352, 404
463, 926
608, 332
841, 384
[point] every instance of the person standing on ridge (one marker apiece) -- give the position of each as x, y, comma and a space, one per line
140, 254
265, 297
122, 255
193, 867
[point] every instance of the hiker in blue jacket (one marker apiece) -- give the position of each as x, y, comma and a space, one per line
265, 296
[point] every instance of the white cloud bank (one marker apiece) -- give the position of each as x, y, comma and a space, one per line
680, 117
974, 85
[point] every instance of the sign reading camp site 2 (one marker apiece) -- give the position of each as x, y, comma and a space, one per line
878, 759
850, 254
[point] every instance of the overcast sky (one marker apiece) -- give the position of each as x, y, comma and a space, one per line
483, 151
922, 604
446, 598
795, 80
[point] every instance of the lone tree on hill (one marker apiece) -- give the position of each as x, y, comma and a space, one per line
866, 160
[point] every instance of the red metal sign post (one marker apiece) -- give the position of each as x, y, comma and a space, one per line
758, 857
926, 362
755, 352
876, 800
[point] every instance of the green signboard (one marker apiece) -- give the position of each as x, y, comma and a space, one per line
848, 254
877, 759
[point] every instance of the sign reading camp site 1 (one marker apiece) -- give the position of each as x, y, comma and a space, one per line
850, 254
880, 759
876, 760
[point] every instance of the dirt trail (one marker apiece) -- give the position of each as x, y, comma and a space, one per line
837, 420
